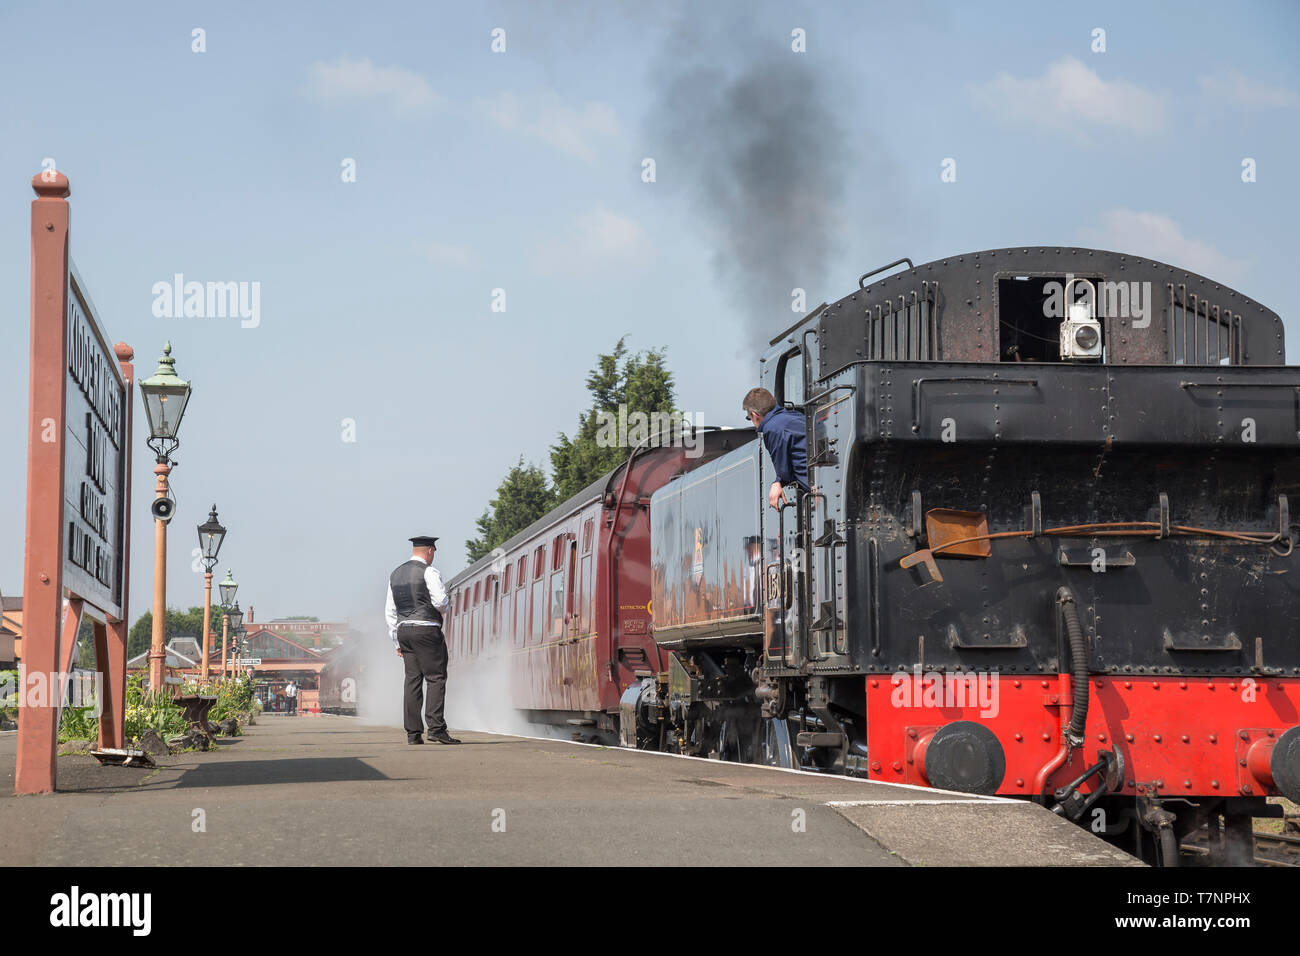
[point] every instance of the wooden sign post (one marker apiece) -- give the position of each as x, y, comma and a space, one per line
78, 497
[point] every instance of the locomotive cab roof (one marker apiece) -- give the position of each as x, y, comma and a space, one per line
1010, 305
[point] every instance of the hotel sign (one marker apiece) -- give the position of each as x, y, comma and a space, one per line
94, 458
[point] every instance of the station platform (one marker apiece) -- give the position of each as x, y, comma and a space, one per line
329, 791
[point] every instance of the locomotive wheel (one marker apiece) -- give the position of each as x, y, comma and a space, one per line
776, 749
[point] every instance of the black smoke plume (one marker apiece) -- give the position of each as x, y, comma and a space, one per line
753, 137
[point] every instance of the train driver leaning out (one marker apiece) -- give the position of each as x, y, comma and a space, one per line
783, 434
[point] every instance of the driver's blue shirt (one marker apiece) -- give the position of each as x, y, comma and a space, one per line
784, 438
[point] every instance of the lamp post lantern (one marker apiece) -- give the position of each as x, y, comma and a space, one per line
165, 397
228, 588
211, 534
236, 618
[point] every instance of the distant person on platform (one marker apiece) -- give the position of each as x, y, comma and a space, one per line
291, 698
416, 600
783, 434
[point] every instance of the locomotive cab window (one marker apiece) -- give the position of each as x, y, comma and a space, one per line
789, 379
1040, 319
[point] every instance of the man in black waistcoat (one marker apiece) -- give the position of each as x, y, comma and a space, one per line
413, 610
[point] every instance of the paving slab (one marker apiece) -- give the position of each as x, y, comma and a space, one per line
962, 833
326, 791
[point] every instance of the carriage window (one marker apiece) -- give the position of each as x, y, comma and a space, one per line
789, 375
557, 604
539, 611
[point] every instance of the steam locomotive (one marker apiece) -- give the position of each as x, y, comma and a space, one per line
1048, 553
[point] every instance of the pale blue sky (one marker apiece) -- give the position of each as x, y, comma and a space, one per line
521, 170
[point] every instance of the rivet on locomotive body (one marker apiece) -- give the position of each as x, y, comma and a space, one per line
1214, 785
1156, 738
1244, 735
1101, 738
1129, 737
1020, 737
1214, 738
1020, 782
1047, 736
898, 767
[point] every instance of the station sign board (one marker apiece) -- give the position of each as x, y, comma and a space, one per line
94, 479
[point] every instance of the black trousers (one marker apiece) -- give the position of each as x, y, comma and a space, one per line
424, 655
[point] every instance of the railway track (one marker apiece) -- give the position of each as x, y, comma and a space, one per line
1277, 849
1271, 849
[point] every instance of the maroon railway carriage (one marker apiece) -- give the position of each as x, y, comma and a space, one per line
558, 617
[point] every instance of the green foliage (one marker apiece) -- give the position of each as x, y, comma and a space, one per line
146, 710
639, 382
179, 624
76, 723
521, 499
9, 694
234, 699
86, 642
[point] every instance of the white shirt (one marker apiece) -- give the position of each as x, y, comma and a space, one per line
437, 594
291, 691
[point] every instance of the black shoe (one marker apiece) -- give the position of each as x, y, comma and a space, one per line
415, 740
442, 738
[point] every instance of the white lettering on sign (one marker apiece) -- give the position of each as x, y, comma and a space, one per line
89, 369
94, 456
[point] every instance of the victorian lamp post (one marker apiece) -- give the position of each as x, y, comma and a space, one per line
211, 534
165, 396
228, 588
236, 618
